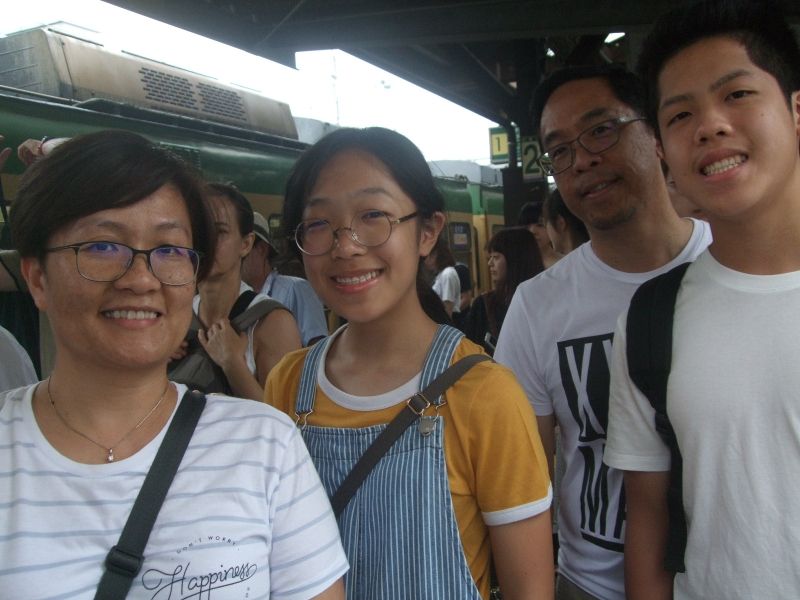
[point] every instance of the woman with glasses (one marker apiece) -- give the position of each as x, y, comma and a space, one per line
114, 233
245, 358
466, 484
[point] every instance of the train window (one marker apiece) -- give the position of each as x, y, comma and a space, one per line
460, 236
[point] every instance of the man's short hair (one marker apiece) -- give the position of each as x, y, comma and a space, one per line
530, 213
464, 277
759, 25
627, 87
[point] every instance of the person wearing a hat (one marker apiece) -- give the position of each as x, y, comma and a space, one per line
293, 292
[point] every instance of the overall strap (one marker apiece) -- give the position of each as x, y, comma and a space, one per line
649, 354
415, 407
125, 559
440, 354
304, 402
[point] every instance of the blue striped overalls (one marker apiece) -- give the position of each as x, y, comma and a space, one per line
399, 530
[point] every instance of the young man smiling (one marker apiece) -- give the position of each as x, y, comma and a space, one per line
723, 81
557, 333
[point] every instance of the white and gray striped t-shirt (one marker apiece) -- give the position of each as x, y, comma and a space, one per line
245, 517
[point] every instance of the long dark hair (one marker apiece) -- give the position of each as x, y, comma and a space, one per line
523, 261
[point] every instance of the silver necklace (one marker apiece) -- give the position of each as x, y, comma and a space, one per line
110, 449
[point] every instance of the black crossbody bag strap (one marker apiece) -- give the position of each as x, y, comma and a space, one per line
415, 406
125, 559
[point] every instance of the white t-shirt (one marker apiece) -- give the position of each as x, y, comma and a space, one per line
245, 517
556, 337
16, 368
732, 399
299, 297
447, 286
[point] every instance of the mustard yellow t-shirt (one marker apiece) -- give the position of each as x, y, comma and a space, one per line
495, 463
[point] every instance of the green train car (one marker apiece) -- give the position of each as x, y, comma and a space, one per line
56, 85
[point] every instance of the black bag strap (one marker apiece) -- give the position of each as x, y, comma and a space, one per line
415, 406
125, 559
241, 304
649, 353
259, 310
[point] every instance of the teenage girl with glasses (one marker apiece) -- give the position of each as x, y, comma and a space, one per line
437, 509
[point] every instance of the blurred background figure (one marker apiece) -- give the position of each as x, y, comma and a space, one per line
513, 258
467, 293
564, 230
245, 358
295, 293
446, 284
16, 368
683, 206
530, 217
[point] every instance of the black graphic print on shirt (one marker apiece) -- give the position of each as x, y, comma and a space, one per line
584, 365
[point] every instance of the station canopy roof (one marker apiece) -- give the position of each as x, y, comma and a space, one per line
485, 55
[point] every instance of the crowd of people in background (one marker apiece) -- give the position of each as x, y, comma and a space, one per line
389, 457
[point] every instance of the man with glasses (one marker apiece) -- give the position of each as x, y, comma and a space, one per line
558, 331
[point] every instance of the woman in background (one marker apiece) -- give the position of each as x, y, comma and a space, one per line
565, 231
513, 258
447, 285
245, 358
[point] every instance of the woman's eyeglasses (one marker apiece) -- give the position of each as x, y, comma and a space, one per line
108, 261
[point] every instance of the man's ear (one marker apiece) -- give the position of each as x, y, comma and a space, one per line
431, 228
247, 244
659, 149
35, 277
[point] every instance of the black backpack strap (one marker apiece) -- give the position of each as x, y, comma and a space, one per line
649, 354
125, 559
241, 304
415, 406
259, 310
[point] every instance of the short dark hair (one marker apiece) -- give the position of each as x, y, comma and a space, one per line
442, 255
627, 87
100, 171
523, 259
530, 213
554, 207
245, 218
759, 25
403, 160
464, 277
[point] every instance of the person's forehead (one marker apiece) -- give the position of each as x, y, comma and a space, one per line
578, 104
722, 58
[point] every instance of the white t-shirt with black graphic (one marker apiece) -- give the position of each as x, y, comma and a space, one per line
557, 338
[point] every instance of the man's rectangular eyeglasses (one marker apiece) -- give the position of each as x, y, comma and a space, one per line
108, 261
596, 139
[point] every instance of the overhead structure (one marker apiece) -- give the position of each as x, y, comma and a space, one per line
484, 55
